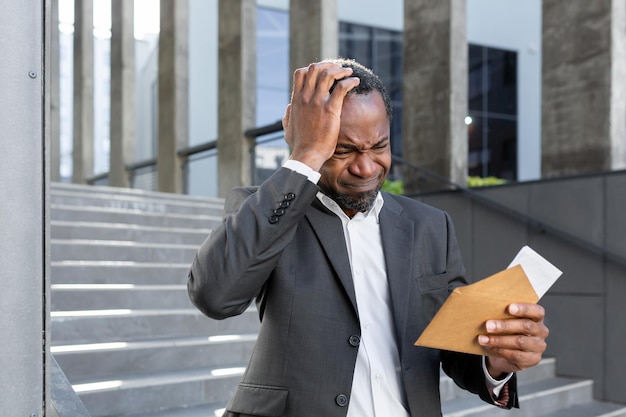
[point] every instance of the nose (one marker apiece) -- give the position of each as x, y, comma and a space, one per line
363, 165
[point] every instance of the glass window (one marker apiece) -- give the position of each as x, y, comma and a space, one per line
272, 65
492, 105
492, 89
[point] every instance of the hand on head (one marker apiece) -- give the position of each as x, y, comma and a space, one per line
312, 119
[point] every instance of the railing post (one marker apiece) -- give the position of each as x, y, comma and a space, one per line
122, 120
237, 91
583, 69
83, 147
435, 88
316, 39
173, 106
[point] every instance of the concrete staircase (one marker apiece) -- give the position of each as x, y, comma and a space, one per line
123, 329
130, 342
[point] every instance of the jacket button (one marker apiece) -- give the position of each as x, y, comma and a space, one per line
279, 212
273, 219
354, 340
341, 400
284, 204
289, 196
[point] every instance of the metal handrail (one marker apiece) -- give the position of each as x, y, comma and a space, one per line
184, 153
196, 149
264, 130
146, 163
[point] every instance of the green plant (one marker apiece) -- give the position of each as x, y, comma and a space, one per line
484, 182
393, 187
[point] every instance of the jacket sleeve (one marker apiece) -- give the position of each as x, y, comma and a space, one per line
234, 262
466, 371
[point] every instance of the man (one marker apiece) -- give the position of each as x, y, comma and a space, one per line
346, 277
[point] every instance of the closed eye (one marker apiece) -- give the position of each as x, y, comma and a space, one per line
343, 149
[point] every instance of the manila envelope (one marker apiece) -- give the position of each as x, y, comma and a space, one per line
462, 317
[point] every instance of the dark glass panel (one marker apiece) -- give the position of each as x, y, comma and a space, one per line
492, 103
476, 138
502, 68
355, 41
475, 77
502, 148
380, 50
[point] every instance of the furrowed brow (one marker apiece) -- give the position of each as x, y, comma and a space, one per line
381, 142
352, 147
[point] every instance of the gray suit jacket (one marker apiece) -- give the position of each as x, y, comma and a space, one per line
279, 245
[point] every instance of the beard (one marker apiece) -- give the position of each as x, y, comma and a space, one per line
361, 201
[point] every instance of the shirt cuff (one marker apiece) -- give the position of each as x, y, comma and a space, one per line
303, 169
494, 385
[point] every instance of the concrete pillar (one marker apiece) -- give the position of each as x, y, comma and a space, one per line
237, 92
24, 208
583, 87
173, 91
83, 148
55, 98
435, 90
122, 91
313, 31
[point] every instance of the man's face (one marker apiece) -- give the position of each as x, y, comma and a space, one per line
356, 172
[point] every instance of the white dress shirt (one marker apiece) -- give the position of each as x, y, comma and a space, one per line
377, 388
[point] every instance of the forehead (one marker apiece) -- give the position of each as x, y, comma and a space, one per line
364, 116
371, 102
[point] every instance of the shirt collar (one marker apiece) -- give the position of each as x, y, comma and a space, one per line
330, 204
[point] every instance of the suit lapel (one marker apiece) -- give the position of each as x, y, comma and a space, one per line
397, 238
328, 229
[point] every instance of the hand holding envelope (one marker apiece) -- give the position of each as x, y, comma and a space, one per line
462, 318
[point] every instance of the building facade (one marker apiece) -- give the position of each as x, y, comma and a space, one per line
504, 113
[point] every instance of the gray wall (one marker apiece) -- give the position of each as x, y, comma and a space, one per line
23, 208
586, 311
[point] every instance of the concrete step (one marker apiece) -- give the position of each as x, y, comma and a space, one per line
116, 272
591, 409
124, 198
120, 250
119, 359
132, 216
536, 398
208, 410
124, 325
148, 204
66, 297
151, 393
67, 229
